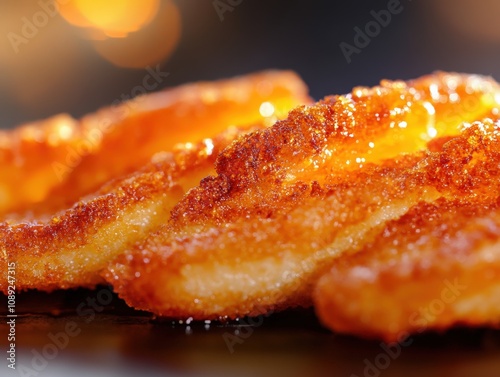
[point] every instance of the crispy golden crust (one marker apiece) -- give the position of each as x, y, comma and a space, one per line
57, 244
338, 134
69, 249
61, 159
334, 193
433, 268
285, 204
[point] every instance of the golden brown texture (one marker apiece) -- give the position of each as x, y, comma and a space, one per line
328, 187
61, 159
436, 266
68, 247
288, 200
336, 135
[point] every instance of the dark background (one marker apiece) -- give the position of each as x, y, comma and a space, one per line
59, 71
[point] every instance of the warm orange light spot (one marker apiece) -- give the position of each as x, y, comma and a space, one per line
266, 109
148, 46
115, 18
71, 13
127, 33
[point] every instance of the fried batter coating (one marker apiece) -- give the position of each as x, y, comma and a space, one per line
278, 208
336, 135
67, 247
285, 203
61, 159
436, 266
70, 248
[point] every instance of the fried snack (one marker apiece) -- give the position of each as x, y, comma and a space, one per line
332, 137
58, 160
435, 267
67, 248
70, 248
289, 200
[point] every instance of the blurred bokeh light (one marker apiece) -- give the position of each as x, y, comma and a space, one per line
114, 18
135, 51
75, 56
121, 31
477, 19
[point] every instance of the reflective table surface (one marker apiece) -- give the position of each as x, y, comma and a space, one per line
93, 333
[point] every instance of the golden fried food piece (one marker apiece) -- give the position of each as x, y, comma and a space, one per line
61, 159
338, 134
288, 200
70, 248
436, 266
57, 245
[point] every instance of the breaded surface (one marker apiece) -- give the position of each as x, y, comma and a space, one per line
57, 161
354, 203
285, 203
70, 248
435, 267
65, 240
